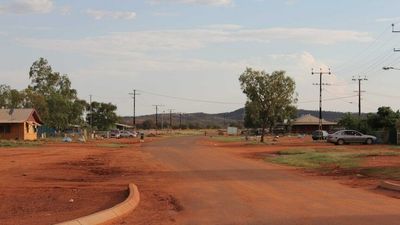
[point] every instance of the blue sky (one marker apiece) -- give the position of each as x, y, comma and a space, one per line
197, 49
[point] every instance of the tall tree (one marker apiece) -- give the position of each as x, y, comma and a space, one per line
270, 97
104, 116
52, 95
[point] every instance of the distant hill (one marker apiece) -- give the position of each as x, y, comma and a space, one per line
204, 120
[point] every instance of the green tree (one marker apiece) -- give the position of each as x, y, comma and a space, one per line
251, 115
36, 101
104, 116
384, 118
349, 121
52, 95
4, 90
10, 98
270, 97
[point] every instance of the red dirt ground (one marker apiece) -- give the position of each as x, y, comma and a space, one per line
348, 177
55, 182
38, 183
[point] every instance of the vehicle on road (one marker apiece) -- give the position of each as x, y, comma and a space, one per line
115, 134
350, 136
319, 135
127, 134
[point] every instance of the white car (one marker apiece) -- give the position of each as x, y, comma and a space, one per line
127, 134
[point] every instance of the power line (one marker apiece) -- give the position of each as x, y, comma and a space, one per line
328, 99
362, 52
340, 98
191, 99
383, 95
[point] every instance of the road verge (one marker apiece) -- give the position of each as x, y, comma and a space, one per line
389, 186
108, 215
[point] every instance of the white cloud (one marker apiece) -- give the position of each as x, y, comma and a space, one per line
224, 26
27, 6
101, 14
198, 2
165, 14
65, 10
129, 43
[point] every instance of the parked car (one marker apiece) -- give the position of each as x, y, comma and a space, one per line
127, 134
115, 134
319, 135
350, 136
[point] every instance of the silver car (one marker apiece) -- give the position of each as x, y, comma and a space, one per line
350, 136
127, 134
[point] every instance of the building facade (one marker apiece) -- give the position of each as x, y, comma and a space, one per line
19, 124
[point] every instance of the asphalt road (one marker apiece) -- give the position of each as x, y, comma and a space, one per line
215, 187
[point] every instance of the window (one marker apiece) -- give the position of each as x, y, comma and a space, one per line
5, 129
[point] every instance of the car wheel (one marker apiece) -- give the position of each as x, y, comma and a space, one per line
340, 142
369, 141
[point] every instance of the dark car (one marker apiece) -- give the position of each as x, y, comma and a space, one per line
350, 136
319, 135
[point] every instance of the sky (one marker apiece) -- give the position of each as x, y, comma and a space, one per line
187, 55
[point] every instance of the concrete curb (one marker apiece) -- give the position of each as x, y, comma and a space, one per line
389, 186
109, 215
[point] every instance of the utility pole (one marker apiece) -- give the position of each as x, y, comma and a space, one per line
157, 115
395, 31
359, 79
134, 107
162, 120
170, 118
320, 73
224, 120
180, 121
91, 113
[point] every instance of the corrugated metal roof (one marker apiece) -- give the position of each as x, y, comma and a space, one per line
311, 120
17, 115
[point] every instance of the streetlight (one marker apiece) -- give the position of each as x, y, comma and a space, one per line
390, 68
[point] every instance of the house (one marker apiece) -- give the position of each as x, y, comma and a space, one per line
19, 124
306, 124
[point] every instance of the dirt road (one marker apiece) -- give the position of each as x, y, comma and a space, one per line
207, 185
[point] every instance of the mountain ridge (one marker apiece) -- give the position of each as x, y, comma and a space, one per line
215, 120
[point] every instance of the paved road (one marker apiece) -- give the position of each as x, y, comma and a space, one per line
215, 187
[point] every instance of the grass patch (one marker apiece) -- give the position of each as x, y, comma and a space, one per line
112, 145
295, 151
331, 159
14, 144
382, 172
315, 160
228, 138
378, 153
